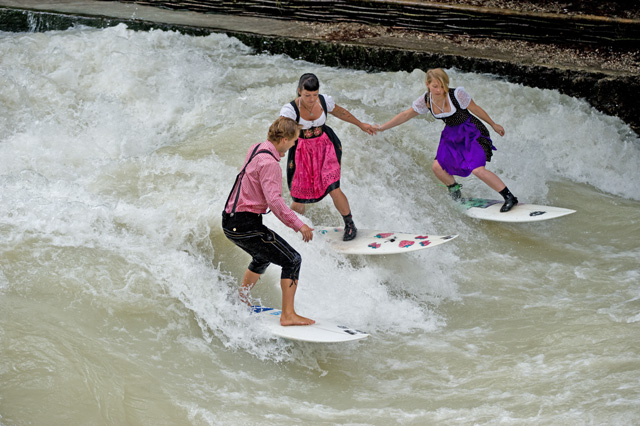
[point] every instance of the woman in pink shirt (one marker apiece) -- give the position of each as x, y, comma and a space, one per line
257, 189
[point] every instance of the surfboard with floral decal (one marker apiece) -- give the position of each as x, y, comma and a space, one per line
371, 242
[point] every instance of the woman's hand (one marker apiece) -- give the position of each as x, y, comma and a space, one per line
498, 129
369, 128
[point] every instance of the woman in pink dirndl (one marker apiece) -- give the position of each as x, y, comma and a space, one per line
313, 163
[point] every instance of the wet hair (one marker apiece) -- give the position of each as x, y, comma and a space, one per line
308, 82
283, 127
440, 75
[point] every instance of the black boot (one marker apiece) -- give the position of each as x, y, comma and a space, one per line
350, 230
454, 191
510, 200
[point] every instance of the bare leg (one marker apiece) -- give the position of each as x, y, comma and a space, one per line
298, 207
497, 185
340, 201
248, 281
441, 174
489, 178
289, 316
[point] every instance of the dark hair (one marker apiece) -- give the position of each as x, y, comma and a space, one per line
308, 82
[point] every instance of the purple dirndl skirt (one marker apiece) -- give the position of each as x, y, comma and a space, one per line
460, 150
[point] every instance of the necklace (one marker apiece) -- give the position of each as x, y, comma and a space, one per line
438, 106
305, 107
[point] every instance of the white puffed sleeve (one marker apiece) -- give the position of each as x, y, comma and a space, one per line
463, 98
288, 111
420, 105
331, 104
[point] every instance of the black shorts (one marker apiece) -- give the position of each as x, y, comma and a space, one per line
264, 246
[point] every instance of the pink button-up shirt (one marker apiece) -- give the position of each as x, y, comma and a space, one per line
261, 188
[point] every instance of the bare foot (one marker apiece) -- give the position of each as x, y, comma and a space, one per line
294, 319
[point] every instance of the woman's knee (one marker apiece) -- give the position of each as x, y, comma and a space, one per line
479, 171
298, 207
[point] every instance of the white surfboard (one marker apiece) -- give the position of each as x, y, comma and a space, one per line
320, 332
380, 242
481, 208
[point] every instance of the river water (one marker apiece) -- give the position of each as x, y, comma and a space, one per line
118, 288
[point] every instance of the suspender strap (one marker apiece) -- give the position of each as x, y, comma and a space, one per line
295, 108
323, 103
238, 181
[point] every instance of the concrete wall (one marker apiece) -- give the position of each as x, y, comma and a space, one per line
615, 95
431, 18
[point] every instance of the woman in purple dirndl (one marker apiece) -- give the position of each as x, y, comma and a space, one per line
313, 164
465, 145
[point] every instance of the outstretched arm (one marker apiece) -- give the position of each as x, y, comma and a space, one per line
482, 115
402, 117
345, 115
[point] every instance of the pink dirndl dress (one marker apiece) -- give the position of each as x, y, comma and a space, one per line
313, 163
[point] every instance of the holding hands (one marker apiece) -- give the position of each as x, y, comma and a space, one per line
369, 128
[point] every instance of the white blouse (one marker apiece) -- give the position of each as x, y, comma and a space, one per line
463, 98
288, 111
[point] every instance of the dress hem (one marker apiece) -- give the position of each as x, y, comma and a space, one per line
330, 188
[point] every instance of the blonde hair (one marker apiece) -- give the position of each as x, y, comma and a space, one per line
440, 75
283, 127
